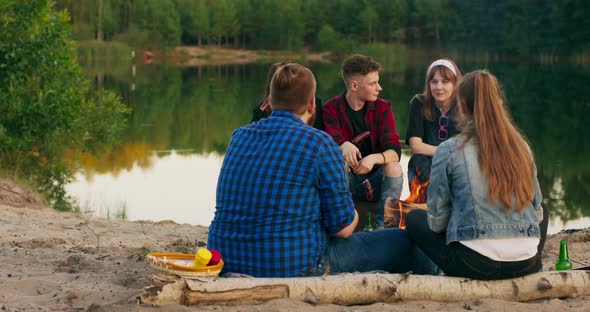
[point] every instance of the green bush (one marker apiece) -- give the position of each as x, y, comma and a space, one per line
328, 39
48, 113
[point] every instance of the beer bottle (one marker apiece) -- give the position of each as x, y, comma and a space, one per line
368, 227
563, 262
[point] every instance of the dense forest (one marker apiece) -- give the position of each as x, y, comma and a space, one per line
502, 27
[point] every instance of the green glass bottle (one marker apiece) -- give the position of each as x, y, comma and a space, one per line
563, 262
368, 226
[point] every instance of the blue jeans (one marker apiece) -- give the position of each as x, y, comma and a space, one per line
381, 187
389, 250
359, 191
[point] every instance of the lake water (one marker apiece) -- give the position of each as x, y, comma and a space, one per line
182, 120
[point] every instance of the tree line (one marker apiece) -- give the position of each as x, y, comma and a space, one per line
505, 27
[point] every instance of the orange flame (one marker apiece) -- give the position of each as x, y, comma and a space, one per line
417, 195
418, 191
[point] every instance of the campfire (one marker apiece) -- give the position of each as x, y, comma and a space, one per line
396, 210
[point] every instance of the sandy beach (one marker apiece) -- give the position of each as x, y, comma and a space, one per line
56, 261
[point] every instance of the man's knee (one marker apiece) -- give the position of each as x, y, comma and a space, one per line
393, 169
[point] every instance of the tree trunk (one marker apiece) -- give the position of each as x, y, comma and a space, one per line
358, 289
99, 33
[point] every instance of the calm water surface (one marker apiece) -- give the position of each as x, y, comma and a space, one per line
182, 120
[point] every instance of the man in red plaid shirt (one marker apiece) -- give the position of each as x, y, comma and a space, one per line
359, 110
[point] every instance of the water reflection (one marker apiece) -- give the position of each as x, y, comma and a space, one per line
177, 187
183, 118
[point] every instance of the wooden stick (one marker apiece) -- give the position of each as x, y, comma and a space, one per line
393, 216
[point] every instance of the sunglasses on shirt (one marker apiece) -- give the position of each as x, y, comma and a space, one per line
443, 122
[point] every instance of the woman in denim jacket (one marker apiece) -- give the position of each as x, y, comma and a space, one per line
484, 201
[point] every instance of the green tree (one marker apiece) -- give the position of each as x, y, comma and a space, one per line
328, 39
248, 22
268, 28
292, 25
370, 21
159, 19
225, 22
430, 16
393, 17
347, 18
502, 27
202, 22
84, 18
187, 10
310, 11
46, 107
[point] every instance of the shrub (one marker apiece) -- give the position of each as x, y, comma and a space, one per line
47, 110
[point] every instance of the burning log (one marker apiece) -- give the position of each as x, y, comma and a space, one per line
356, 289
396, 210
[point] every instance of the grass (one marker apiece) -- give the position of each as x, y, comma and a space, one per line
103, 209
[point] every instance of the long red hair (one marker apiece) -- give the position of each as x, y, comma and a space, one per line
504, 155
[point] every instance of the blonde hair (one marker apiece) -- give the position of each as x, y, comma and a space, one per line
291, 88
504, 155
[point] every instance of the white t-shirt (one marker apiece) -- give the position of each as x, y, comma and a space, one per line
504, 249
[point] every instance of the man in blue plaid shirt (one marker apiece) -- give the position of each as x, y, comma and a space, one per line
283, 207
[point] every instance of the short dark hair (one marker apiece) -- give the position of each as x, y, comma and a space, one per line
358, 64
291, 88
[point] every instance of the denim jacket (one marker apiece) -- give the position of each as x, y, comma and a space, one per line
458, 203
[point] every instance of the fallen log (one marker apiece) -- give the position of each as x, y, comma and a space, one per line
367, 288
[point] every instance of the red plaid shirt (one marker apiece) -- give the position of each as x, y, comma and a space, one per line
379, 120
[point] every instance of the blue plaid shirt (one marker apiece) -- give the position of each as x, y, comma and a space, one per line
281, 192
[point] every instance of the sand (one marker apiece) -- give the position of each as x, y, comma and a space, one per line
56, 261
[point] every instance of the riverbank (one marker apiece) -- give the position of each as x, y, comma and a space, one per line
65, 261
91, 51
197, 56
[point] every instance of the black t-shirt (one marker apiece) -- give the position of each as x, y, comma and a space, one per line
419, 127
357, 121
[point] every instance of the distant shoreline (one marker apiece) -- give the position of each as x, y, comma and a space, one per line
195, 56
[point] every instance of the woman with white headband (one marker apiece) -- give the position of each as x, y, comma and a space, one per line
485, 218
432, 118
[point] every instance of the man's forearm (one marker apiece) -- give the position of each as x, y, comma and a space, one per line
349, 229
390, 156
